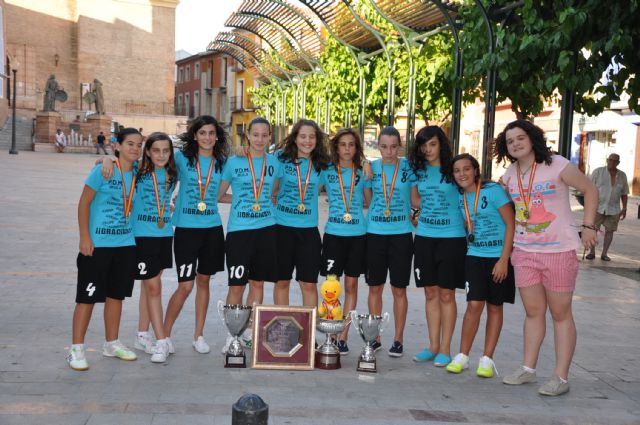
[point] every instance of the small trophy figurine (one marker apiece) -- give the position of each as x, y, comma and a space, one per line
236, 318
331, 322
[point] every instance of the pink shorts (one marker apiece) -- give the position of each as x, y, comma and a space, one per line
556, 271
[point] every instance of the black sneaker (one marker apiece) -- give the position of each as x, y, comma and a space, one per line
396, 349
343, 347
376, 346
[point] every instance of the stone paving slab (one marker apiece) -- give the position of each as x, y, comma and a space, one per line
38, 246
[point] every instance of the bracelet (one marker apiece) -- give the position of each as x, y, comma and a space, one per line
590, 226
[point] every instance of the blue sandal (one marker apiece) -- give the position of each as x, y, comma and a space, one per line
424, 356
441, 360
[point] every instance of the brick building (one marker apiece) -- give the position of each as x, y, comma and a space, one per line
127, 45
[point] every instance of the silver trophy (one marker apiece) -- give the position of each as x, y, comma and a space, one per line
328, 354
369, 326
236, 319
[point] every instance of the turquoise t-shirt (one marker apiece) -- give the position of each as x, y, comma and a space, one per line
440, 216
107, 225
287, 213
237, 172
335, 221
186, 213
145, 209
400, 204
489, 228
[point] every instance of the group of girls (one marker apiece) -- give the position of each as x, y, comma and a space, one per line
464, 234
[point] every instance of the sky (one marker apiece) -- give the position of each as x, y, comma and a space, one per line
198, 22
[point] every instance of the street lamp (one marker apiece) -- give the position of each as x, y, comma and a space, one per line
13, 150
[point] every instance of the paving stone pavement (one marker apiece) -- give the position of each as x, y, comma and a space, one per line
38, 246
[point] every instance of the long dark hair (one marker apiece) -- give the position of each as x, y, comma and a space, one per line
358, 157
147, 167
538, 143
416, 157
318, 156
190, 148
122, 134
474, 163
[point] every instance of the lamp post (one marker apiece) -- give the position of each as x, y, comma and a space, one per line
13, 150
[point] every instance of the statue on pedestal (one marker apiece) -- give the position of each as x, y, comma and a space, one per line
53, 93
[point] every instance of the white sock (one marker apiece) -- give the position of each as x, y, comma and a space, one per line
564, 381
77, 346
528, 369
111, 342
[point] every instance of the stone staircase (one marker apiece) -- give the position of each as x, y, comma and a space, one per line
23, 134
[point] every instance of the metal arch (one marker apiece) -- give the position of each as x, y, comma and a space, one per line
245, 27
233, 51
489, 97
456, 101
272, 22
216, 45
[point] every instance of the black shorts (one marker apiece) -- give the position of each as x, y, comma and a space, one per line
392, 253
109, 272
439, 262
343, 254
480, 285
203, 248
252, 255
154, 255
299, 248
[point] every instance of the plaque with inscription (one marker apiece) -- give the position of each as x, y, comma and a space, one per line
284, 337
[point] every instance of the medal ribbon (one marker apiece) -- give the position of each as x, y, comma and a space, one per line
387, 200
471, 224
527, 199
257, 190
127, 201
303, 191
164, 199
347, 206
201, 190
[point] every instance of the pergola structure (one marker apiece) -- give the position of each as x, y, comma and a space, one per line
295, 39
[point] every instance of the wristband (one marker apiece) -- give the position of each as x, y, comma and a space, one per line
590, 226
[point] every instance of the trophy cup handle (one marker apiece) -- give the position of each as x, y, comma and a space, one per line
220, 308
353, 318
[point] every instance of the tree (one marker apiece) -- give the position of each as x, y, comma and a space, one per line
546, 47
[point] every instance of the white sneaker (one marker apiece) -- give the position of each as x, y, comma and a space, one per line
119, 350
227, 343
247, 338
144, 343
170, 346
161, 352
201, 346
459, 363
77, 360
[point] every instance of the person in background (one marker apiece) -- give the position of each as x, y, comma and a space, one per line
613, 187
100, 143
60, 143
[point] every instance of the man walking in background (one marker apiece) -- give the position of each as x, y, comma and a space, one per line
612, 188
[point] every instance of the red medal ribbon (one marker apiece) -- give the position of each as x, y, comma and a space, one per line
164, 199
527, 199
347, 206
387, 200
471, 224
257, 190
126, 200
303, 191
202, 191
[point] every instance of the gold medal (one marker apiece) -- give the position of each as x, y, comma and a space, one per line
202, 207
302, 208
256, 207
526, 214
302, 191
257, 190
203, 190
387, 199
526, 200
347, 217
387, 213
160, 223
164, 200
347, 205
126, 200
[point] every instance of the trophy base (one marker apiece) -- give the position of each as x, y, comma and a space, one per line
367, 366
235, 361
327, 361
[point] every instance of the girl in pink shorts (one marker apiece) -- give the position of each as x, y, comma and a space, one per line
545, 243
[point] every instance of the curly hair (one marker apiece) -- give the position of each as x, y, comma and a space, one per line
358, 157
146, 165
417, 158
319, 156
538, 143
191, 148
